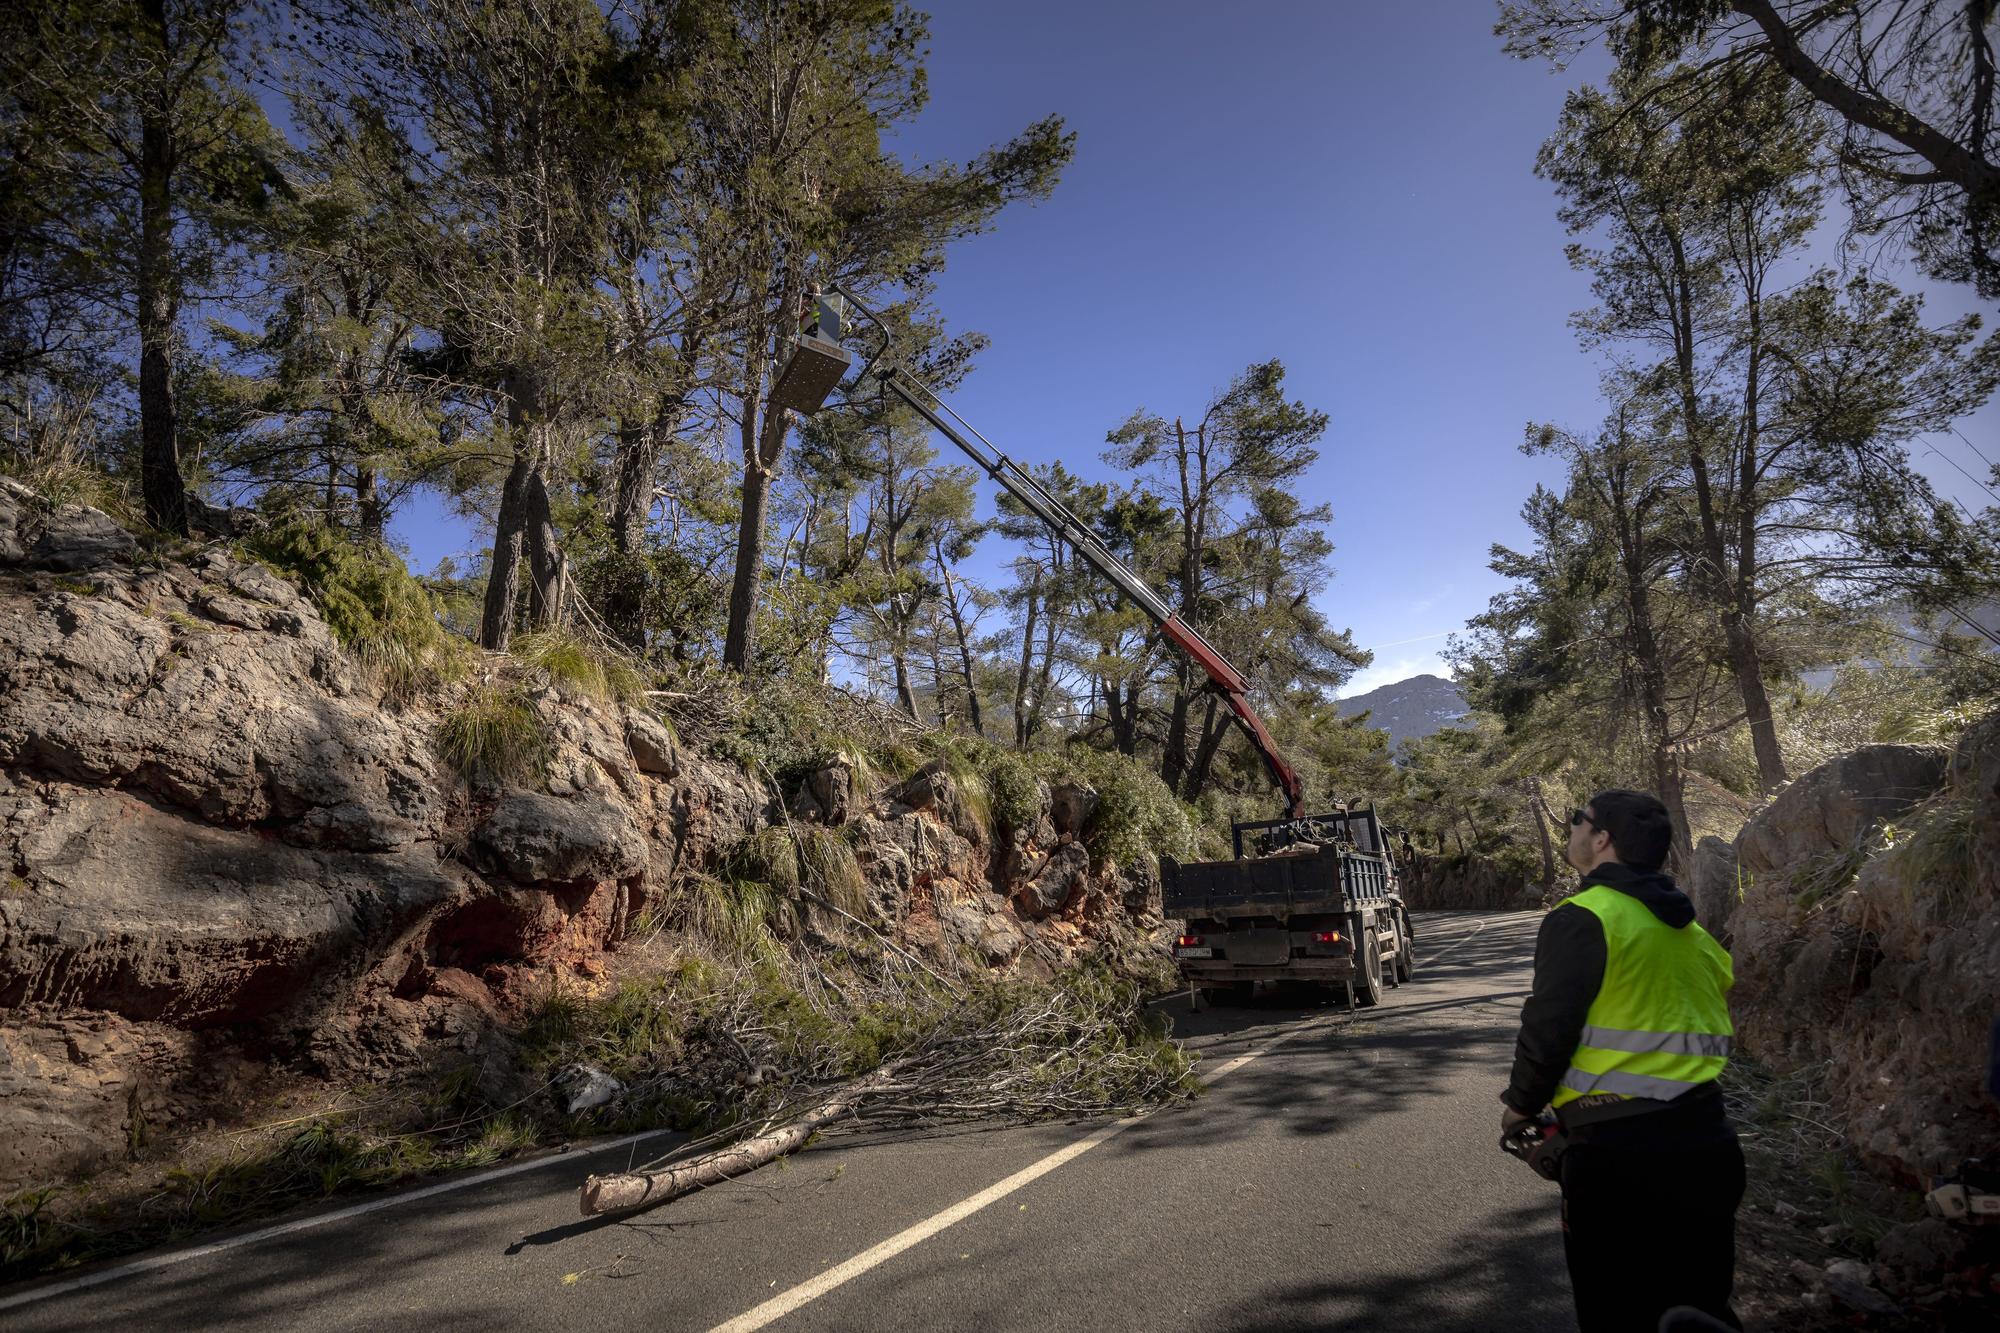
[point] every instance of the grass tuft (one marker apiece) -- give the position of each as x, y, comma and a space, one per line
581, 668
495, 738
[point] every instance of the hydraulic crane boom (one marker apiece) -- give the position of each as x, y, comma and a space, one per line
896, 378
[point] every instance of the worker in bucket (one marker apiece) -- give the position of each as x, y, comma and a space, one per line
1624, 1035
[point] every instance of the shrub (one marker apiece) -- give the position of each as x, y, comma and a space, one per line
961, 759
369, 600
495, 738
768, 856
1015, 786
829, 868
791, 857
1136, 815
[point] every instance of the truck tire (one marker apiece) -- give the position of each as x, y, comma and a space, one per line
1406, 952
1368, 985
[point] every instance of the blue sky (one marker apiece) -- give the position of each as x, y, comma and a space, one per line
1348, 187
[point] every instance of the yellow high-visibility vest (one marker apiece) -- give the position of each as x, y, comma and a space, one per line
1659, 1026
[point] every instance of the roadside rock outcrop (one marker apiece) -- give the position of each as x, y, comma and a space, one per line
225, 854
1714, 884
1880, 962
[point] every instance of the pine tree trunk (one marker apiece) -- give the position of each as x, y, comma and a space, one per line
1214, 730
905, 695
373, 520
957, 613
763, 442
1174, 750
546, 593
503, 573
739, 643
1023, 729
1539, 808
161, 485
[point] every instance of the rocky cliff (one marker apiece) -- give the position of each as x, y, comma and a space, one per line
230, 857
1862, 908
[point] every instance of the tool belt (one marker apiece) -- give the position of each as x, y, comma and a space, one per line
1601, 1108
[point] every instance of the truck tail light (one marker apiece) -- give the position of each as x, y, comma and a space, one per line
1327, 937
1188, 942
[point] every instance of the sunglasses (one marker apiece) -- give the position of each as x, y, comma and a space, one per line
1578, 817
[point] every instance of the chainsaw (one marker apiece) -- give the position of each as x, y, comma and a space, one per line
1969, 1194
1540, 1143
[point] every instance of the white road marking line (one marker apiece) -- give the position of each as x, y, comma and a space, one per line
812, 1289
167, 1260
1477, 926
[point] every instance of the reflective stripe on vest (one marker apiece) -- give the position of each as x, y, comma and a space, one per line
1659, 1025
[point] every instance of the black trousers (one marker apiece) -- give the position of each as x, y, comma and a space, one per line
1647, 1229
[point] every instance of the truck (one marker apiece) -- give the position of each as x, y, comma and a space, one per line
1313, 900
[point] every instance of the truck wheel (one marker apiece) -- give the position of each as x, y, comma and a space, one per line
1368, 986
1406, 952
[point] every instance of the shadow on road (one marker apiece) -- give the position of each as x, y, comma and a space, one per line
1497, 1283
1406, 1050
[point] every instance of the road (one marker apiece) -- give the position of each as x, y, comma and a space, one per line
1340, 1173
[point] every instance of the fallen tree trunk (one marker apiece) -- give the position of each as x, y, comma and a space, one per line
631, 1190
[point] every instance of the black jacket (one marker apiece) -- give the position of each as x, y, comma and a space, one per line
1569, 969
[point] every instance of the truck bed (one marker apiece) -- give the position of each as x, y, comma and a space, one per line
1330, 879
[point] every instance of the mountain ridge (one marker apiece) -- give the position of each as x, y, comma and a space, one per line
1409, 709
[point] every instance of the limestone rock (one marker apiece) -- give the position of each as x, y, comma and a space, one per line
1833, 807
827, 794
653, 747
1925, 1248
1859, 962
1060, 878
1071, 805
61, 538
222, 848
536, 839
139, 911
1713, 885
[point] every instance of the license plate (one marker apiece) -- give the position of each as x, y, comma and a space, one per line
1194, 953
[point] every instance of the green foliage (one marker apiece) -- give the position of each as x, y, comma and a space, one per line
1136, 818
369, 601
495, 738
25, 1233
581, 666
827, 867
1017, 789
1796, 1151
52, 448
791, 857
1872, 703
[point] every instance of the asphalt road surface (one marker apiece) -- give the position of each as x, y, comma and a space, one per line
1340, 1173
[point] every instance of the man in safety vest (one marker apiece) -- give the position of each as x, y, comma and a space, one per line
1624, 1035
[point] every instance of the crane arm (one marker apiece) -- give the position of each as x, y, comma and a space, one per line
1224, 679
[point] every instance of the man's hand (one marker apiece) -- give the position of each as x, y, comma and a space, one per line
1511, 1120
